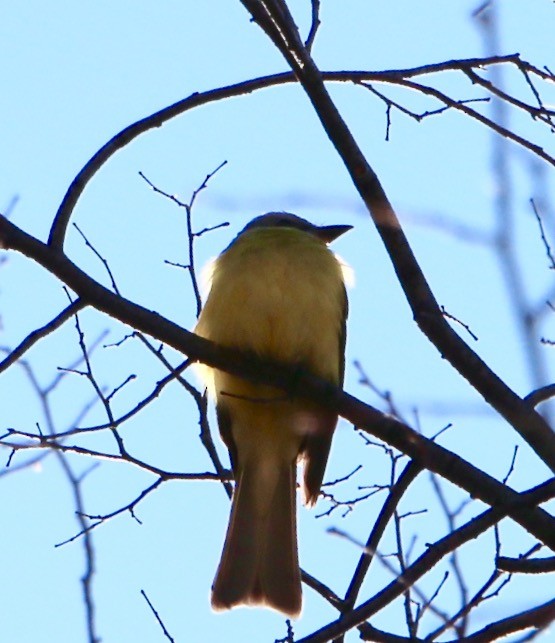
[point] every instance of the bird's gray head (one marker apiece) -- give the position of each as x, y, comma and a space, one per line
287, 220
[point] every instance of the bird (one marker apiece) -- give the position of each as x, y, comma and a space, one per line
278, 292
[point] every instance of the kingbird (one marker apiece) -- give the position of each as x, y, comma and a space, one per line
276, 291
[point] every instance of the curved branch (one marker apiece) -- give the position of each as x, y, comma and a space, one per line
119, 141
540, 395
526, 565
128, 134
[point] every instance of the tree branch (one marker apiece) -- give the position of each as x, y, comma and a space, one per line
39, 333
526, 565
538, 617
421, 566
128, 134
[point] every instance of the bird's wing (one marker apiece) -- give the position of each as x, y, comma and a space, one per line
317, 444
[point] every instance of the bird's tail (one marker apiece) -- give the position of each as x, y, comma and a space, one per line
259, 563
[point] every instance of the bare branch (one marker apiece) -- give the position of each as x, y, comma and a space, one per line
315, 24
101, 519
543, 236
539, 618
123, 138
191, 235
157, 616
540, 395
39, 333
526, 566
100, 257
322, 589
448, 315
421, 566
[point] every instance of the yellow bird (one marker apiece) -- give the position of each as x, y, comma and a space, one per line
278, 291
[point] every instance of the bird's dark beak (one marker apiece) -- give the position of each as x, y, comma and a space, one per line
329, 233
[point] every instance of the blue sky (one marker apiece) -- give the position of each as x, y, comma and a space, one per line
73, 75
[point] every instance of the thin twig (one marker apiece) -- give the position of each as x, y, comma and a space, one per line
545, 242
314, 25
157, 616
39, 333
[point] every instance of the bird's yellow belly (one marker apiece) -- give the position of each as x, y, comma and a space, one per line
284, 303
